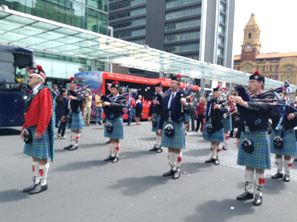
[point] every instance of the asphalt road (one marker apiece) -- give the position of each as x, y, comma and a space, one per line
82, 187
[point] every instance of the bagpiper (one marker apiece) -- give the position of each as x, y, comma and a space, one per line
39, 128
227, 120
156, 109
214, 128
113, 107
254, 146
282, 137
73, 113
171, 126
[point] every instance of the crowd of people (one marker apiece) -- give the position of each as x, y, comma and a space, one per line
171, 113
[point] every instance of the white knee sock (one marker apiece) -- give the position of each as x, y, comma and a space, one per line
158, 141
279, 163
214, 151
287, 164
171, 158
43, 170
77, 136
250, 177
178, 158
117, 148
260, 182
35, 169
72, 138
218, 149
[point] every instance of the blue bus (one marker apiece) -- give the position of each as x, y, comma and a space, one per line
14, 63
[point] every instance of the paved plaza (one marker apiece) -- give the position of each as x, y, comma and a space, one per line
82, 187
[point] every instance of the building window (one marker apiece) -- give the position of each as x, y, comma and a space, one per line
222, 30
128, 14
126, 4
273, 68
183, 13
247, 69
130, 33
175, 3
220, 51
289, 68
184, 36
129, 24
181, 48
182, 25
220, 61
222, 7
274, 77
222, 18
261, 68
250, 35
221, 40
140, 41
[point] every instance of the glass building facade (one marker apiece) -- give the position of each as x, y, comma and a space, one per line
90, 15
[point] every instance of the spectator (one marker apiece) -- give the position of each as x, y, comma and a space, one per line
130, 109
88, 107
200, 114
99, 109
61, 101
55, 89
138, 110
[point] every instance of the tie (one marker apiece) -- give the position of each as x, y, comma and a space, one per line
170, 101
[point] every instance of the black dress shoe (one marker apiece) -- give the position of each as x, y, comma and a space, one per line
225, 148
115, 159
287, 178
211, 160
38, 189
154, 149
28, 189
67, 147
245, 196
216, 162
169, 173
176, 175
258, 200
109, 158
74, 147
159, 150
277, 176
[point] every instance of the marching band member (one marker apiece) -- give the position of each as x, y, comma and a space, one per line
254, 147
73, 113
156, 109
114, 129
213, 130
227, 122
282, 138
171, 126
187, 115
39, 128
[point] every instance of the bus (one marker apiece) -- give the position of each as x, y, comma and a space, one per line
141, 86
14, 62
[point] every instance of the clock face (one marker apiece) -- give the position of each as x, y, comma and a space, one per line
248, 46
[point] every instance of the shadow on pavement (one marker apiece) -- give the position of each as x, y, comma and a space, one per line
135, 154
9, 132
148, 139
221, 210
134, 186
12, 195
195, 167
81, 165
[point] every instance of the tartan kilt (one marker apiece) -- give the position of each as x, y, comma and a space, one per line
260, 157
157, 118
118, 128
289, 148
227, 124
213, 137
40, 149
187, 118
77, 122
177, 141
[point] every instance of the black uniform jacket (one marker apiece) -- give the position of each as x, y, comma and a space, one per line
117, 104
156, 108
75, 105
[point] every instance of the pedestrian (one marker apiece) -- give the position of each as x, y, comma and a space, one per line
130, 108
254, 146
87, 107
187, 115
227, 122
73, 113
56, 90
39, 128
155, 110
192, 114
235, 118
99, 108
214, 128
61, 101
171, 126
114, 127
282, 138
200, 114
138, 109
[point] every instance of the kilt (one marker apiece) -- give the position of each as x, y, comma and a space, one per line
178, 141
187, 118
289, 148
260, 157
157, 118
118, 128
77, 122
227, 124
213, 137
40, 149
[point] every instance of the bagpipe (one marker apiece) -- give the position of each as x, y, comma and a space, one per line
216, 123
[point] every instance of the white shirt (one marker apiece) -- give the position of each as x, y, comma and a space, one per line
35, 91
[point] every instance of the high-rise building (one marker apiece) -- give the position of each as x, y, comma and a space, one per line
90, 15
198, 29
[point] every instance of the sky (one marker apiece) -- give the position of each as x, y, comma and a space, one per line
277, 20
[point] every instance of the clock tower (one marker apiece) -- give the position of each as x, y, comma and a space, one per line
251, 45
